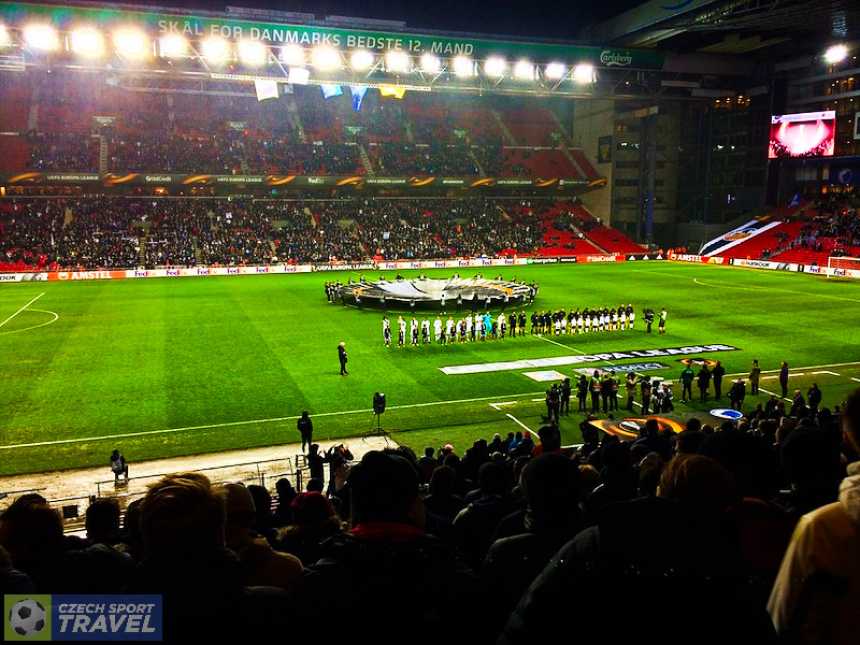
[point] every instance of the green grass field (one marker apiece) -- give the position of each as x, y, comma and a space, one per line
179, 366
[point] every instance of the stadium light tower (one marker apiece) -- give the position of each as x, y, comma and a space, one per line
583, 73
555, 71
293, 55
132, 44
252, 53
173, 46
397, 62
87, 42
463, 67
430, 64
325, 59
524, 70
361, 60
215, 50
835, 54
495, 66
42, 38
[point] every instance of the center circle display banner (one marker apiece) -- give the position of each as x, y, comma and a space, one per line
434, 294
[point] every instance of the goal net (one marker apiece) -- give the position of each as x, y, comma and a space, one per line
843, 267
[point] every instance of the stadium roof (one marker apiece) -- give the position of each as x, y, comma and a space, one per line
740, 27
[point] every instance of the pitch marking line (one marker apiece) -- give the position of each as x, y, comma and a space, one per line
776, 395
55, 318
233, 424
22, 309
855, 379
807, 367
827, 372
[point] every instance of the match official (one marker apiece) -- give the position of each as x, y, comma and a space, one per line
342, 357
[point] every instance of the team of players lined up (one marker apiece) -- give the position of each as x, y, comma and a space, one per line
484, 326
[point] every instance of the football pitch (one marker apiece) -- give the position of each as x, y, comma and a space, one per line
169, 367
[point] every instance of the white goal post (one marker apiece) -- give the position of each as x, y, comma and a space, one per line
839, 266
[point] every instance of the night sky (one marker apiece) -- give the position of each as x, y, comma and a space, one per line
534, 18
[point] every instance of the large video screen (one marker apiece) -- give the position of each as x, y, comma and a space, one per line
809, 134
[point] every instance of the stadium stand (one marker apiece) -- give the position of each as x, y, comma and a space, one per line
125, 232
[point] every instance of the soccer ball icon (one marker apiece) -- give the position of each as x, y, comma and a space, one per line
27, 617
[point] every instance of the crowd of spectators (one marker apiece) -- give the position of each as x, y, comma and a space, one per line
109, 232
748, 531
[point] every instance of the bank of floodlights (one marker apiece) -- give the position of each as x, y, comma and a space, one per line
325, 59
87, 42
215, 50
5, 36
173, 46
430, 64
361, 60
132, 44
252, 53
397, 62
495, 67
42, 38
463, 67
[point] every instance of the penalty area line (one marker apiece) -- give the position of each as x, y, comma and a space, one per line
233, 424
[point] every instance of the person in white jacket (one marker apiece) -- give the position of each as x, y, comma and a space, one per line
816, 596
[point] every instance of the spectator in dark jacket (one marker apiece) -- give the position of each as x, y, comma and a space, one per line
552, 516
475, 525
387, 557
683, 550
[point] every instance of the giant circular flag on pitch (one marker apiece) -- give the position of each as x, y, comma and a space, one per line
727, 413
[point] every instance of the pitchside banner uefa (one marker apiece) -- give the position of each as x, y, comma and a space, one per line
66, 617
205, 24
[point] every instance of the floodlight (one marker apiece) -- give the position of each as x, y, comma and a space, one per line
430, 64
5, 38
495, 66
131, 43
173, 46
87, 42
524, 70
583, 73
325, 58
463, 66
835, 54
397, 61
252, 53
215, 50
41, 37
292, 55
555, 71
361, 60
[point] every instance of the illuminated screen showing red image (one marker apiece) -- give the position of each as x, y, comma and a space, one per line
810, 134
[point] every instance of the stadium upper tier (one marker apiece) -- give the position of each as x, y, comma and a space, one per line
120, 232
81, 123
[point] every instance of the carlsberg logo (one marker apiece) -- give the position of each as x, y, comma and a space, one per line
610, 58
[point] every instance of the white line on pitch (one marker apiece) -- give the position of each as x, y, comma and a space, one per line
22, 308
549, 340
231, 424
855, 379
805, 367
521, 424
826, 372
775, 394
